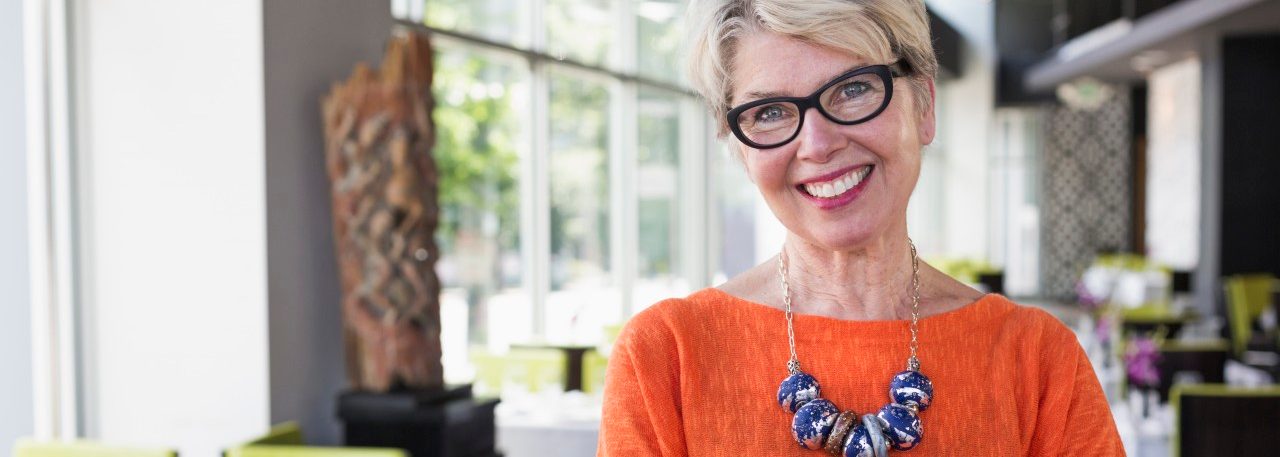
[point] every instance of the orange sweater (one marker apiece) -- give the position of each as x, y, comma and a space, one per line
699, 376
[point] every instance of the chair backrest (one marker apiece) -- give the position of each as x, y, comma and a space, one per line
1217, 420
535, 368
285, 440
32, 448
1247, 297
287, 433
311, 451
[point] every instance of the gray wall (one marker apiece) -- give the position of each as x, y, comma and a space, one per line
309, 44
15, 310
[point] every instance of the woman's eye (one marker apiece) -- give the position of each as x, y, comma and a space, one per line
854, 90
770, 113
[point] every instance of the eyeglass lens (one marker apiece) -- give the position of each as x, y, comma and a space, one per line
850, 100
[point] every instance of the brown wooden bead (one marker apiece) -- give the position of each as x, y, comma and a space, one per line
844, 422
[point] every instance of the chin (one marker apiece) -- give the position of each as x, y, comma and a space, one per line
837, 236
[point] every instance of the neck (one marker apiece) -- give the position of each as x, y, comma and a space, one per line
870, 283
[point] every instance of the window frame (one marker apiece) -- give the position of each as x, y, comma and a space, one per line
624, 86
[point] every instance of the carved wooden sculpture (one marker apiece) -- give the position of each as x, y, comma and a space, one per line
378, 136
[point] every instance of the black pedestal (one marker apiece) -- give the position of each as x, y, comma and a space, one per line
441, 423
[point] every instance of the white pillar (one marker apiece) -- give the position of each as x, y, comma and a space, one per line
174, 289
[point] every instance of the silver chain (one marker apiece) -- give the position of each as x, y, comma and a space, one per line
913, 363
793, 365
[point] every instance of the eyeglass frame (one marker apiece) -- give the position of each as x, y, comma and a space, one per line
886, 73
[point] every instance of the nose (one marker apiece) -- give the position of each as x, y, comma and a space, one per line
819, 138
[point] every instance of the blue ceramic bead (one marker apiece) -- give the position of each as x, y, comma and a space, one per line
796, 390
911, 388
813, 423
858, 443
875, 432
902, 426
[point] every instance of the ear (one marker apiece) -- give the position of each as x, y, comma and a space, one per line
926, 124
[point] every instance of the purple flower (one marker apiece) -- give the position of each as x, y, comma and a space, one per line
1140, 362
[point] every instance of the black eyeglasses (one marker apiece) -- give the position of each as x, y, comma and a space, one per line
852, 98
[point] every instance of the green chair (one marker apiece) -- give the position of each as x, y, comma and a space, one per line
32, 448
283, 434
594, 366
1247, 297
1216, 419
285, 440
308, 451
532, 367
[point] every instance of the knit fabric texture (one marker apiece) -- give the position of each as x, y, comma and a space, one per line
699, 376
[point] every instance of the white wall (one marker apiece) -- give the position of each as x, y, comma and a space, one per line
175, 257
309, 44
16, 414
1173, 165
964, 115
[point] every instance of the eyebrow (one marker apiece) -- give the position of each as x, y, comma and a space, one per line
759, 95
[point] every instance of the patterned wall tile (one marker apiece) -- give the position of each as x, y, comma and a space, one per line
1086, 182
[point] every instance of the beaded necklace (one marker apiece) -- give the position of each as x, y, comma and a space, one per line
819, 424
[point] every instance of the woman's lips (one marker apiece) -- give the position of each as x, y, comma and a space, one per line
839, 191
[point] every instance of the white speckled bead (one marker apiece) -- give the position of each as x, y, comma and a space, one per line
858, 443
911, 388
903, 426
796, 390
813, 422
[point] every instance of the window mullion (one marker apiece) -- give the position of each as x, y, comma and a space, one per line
536, 205
694, 207
622, 170
623, 160
539, 197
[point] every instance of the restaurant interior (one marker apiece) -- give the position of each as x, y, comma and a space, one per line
413, 228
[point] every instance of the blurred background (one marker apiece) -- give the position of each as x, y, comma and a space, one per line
169, 279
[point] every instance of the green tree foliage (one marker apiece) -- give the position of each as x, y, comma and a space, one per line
476, 137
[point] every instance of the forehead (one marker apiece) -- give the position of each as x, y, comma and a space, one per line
769, 64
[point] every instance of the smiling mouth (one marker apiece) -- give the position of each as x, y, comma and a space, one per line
838, 186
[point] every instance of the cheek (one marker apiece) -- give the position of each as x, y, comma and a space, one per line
767, 169
892, 136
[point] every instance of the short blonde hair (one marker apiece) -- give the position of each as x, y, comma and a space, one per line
877, 30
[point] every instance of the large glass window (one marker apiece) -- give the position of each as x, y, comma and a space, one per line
582, 30
659, 39
481, 99
573, 194
583, 296
503, 21
735, 201
658, 188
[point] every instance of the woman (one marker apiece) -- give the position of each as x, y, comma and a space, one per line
829, 103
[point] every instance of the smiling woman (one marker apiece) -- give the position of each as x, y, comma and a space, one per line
808, 91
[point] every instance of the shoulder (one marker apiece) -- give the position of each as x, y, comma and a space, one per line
1029, 321
1029, 333
1041, 346
670, 322
1032, 320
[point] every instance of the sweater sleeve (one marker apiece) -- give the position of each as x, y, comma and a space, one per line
1074, 417
642, 414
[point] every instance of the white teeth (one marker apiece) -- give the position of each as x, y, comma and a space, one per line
838, 186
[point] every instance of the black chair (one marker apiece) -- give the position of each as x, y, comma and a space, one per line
1218, 420
993, 281
1206, 359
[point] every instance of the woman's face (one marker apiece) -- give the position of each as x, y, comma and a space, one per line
879, 157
